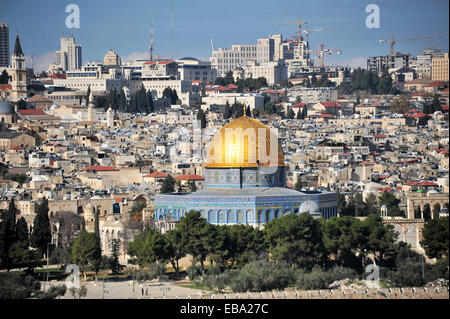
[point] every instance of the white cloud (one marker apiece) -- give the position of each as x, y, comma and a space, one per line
41, 62
135, 56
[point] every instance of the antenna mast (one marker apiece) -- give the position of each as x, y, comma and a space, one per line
151, 35
171, 28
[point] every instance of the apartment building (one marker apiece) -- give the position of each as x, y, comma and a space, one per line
439, 68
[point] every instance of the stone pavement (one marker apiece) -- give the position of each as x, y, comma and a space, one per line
156, 290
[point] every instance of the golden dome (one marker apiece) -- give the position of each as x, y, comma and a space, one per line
241, 143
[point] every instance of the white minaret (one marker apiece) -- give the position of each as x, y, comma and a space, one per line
110, 118
19, 75
91, 109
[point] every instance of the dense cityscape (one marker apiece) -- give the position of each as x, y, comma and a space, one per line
263, 172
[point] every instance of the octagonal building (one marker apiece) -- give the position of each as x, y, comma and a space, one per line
245, 182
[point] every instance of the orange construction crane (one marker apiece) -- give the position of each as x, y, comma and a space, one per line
299, 23
392, 40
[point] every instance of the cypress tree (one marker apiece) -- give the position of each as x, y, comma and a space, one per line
7, 234
227, 111
41, 235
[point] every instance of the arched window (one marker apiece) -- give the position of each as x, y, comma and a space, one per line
249, 216
221, 217
230, 218
211, 216
260, 216
268, 216
240, 216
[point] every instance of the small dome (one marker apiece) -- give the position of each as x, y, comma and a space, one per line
301, 161
6, 107
383, 207
309, 206
54, 106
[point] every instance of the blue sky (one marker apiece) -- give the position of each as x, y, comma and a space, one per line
125, 26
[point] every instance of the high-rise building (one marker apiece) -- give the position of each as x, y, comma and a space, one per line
4, 45
422, 63
69, 56
111, 59
439, 68
378, 64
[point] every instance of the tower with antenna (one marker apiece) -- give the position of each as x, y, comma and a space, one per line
171, 28
151, 35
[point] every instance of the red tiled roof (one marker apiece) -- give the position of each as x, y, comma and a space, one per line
192, 177
444, 107
159, 62
100, 168
379, 135
5, 87
331, 104
418, 115
32, 112
326, 115
16, 148
39, 98
118, 200
232, 86
156, 175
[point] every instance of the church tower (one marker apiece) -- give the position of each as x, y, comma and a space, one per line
91, 108
110, 118
19, 76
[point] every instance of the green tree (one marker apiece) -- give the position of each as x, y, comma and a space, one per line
435, 238
136, 210
85, 251
175, 249
168, 185
227, 111
371, 204
247, 111
378, 238
341, 238
392, 204
304, 112
115, 265
7, 234
436, 104
193, 229
290, 114
299, 184
4, 77
296, 239
400, 105
202, 118
41, 235
147, 248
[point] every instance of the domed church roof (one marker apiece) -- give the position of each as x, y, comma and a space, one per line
240, 143
6, 107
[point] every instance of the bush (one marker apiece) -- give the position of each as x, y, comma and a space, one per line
145, 274
14, 286
263, 276
194, 272
53, 292
318, 278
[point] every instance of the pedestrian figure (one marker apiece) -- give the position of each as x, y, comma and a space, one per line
142, 290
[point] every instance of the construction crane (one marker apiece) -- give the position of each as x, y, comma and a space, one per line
306, 32
392, 41
151, 35
321, 53
212, 46
299, 23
